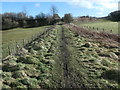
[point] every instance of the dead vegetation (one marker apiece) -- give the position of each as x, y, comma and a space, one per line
112, 40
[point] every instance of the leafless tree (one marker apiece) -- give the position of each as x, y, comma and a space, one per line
54, 10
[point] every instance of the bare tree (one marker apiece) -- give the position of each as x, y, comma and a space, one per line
54, 10
24, 10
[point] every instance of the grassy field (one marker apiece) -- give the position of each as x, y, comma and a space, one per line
107, 25
61, 58
10, 37
19, 34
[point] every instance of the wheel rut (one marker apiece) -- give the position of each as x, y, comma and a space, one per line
65, 54
71, 77
68, 80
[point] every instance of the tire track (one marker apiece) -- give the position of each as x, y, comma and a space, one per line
64, 57
69, 79
72, 77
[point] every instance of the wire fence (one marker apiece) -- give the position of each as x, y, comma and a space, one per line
99, 29
13, 47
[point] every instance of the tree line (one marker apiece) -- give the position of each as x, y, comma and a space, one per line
114, 16
21, 19
13, 20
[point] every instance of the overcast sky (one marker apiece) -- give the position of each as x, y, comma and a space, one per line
75, 7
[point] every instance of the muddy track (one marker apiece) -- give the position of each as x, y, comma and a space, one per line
70, 77
65, 54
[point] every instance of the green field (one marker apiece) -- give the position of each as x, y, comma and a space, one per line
107, 25
19, 34
10, 37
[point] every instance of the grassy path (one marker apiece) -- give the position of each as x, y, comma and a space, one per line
61, 58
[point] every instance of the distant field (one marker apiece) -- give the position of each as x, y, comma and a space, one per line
10, 37
100, 25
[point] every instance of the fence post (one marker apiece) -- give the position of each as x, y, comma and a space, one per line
89, 27
103, 29
97, 29
23, 42
9, 50
111, 31
32, 37
27, 42
17, 48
